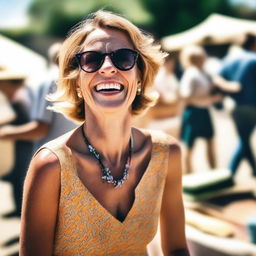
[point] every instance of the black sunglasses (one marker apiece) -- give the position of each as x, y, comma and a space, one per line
91, 61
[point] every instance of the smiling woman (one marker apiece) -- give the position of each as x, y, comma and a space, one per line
101, 188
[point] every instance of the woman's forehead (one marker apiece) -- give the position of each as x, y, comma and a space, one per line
105, 39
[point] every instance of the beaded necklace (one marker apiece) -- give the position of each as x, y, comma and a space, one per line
106, 172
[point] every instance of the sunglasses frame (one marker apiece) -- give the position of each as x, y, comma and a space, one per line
111, 55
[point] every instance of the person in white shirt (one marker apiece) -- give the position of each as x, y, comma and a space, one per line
195, 88
166, 82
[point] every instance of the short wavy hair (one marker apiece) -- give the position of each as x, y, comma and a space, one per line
150, 58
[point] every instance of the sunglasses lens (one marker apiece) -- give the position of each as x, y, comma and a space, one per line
91, 61
124, 59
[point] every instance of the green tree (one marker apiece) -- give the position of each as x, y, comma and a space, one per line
55, 17
160, 17
170, 17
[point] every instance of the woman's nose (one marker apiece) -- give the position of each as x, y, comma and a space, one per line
107, 67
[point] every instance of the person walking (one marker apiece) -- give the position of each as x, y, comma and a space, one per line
195, 89
242, 68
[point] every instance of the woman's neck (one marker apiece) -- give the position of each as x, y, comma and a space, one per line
110, 135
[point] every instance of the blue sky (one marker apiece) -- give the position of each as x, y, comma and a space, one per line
13, 12
250, 3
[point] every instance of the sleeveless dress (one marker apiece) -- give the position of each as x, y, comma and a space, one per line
85, 227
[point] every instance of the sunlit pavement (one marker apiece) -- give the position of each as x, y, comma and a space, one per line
9, 227
225, 144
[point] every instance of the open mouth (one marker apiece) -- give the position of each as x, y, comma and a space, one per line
109, 88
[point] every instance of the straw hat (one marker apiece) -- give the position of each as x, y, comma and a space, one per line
9, 74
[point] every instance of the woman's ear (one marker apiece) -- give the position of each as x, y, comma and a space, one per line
79, 92
138, 92
139, 79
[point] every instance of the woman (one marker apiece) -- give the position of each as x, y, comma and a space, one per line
99, 189
196, 88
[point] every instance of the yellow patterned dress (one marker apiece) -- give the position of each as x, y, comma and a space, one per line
85, 227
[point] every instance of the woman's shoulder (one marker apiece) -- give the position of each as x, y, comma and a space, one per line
45, 159
44, 169
59, 142
159, 137
41, 192
58, 146
49, 156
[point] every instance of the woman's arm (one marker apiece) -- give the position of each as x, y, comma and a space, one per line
40, 205
172, 220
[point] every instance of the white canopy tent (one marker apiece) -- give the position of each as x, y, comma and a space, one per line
19, 58
216, 29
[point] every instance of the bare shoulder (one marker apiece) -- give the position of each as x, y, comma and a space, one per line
44, 166
174, 144
162, 138
42, 185
45, 160
40, 204
175, 160
143, 139
141, 133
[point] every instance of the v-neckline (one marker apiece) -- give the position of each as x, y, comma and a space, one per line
99, 205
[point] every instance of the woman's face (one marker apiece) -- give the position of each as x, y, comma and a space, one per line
108, 89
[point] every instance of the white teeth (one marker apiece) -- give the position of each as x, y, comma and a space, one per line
108, 86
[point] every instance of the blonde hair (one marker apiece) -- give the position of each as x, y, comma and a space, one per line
66, 99
190, 53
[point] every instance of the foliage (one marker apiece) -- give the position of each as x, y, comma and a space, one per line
170, 17
55, 17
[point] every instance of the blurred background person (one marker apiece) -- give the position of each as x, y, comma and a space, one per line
242, 68
195, 88
167, 85
166, 82
12, 85
30, 130
165, 115
51, 124
45, 124
7, 115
